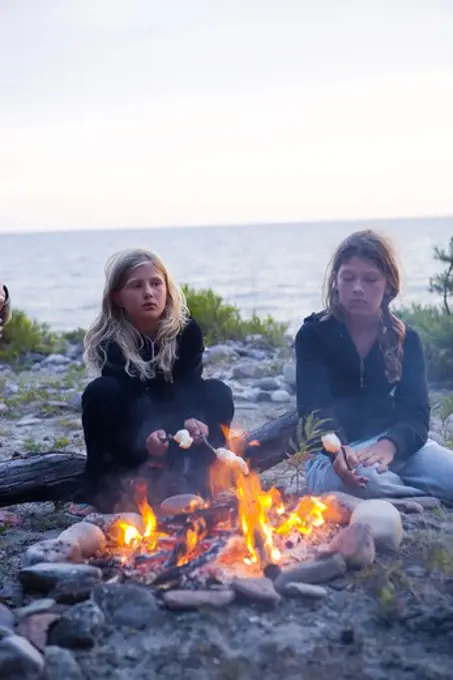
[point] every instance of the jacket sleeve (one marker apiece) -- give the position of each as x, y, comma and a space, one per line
312, 381
190, 357
5, 313
411, 401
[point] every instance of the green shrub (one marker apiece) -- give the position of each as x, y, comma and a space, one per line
23, 334
435, 327
220, 321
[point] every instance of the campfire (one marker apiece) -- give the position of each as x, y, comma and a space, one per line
242, 531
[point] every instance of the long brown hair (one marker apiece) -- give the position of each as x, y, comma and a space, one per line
369, 245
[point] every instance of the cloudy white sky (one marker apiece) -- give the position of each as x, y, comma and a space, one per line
177, 112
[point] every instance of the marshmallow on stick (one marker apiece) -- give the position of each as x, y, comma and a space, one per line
183, 438
232, 460
331, 443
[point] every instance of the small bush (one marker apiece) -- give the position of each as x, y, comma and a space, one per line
22, 335
435, 327
220, 321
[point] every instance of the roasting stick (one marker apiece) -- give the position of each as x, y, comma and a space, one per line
332, 444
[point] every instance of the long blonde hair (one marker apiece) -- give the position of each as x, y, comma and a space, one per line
112, 323
372, 246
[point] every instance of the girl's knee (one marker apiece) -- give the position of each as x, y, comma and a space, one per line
100, 391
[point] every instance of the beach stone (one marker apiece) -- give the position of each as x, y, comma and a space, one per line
36, 607
10, 389
407, 505
263, 396
61, 665
356, 543
268, 384
195, 599
53, 550
280, 397
289, 373
345, 500
6, 617
219, 352
55, 360
307, 590
251, 393
109, 523
127, 605
74, 590
35, 628
45, 576
181, 504
336, 512
88, 536
78, 627
426, 502
260, 590
19, 660
320, 570
246, 369
9, 518
28, 420
384, 520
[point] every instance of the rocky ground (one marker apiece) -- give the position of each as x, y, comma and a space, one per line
393, 620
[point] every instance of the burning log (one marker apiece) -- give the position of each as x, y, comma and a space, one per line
176, 573
268, 445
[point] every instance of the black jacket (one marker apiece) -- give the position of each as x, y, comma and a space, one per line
188, 367
355, 395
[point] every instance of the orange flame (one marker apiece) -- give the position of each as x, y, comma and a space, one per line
195, 533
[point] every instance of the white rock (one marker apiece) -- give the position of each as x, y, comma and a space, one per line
280, 397
88, 536
53, 550
307, 590
289, 373
384, 520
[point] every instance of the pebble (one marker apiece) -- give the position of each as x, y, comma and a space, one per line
35, 607
280, 397
195, 599
87, 536
35, 628
53, 550
61, 665
78, 627
181, 504
356, 544
320, 570
6, 617
384, 520
127, 605
268, 384
19, 660
45, 576
305, 590
260, 590
74, 590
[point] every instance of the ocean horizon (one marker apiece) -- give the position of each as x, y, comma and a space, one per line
277, 269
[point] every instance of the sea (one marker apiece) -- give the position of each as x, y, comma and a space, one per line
276, 269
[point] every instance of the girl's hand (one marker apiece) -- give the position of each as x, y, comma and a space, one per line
197, 430
382, 453
344, 465
157, 443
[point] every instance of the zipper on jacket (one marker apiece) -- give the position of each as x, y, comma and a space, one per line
362, 371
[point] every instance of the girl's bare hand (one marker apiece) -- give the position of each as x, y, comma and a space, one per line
344, 464
197, 430
157, 443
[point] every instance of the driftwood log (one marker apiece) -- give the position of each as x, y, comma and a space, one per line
54, 475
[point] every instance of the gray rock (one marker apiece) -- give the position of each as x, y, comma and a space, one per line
268, 384
280, 397
315, 571
19, 660
74, 590
289, 373
186, 600
219, 352
6, 617
251, 393
307, 590
35, 628
45, 576
256, 590
78, 627
10, 389
53, 550
55, 360
246, 370
28, 420
263, 396
61, 665
181, 504
127, 605
75, 403
36, 607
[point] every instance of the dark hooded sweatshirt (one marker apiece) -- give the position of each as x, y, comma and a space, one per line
354, 394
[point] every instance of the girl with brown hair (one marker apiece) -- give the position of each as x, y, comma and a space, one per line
362, 370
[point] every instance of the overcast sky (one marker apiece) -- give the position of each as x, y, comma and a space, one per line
178, 112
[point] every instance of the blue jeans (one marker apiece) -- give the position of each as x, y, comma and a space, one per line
428, 472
